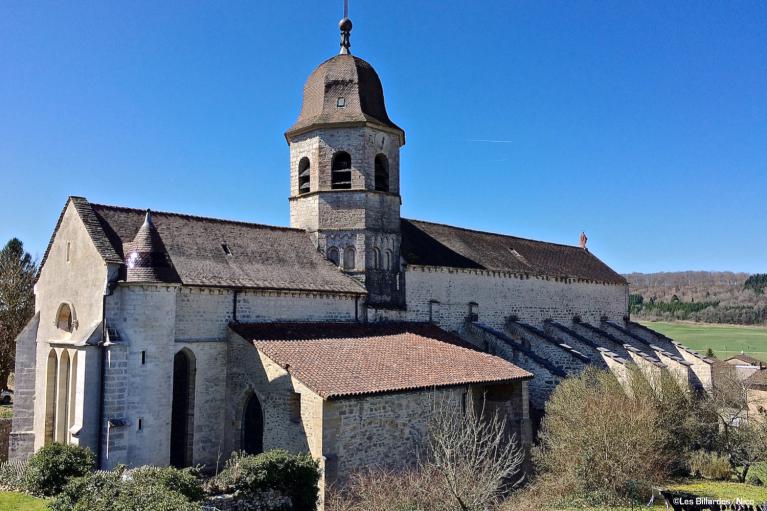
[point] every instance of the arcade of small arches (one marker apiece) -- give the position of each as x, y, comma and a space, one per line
60, 395
348, 262
341, 173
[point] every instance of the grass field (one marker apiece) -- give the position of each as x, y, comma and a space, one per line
725, 340
20, 502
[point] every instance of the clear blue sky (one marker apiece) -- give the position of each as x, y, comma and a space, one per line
644, 123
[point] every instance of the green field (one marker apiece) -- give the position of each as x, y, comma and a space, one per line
725, 340
12, 501
6, 411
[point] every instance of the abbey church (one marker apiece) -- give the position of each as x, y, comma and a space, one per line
166, 338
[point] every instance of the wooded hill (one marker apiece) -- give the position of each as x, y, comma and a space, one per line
710, 297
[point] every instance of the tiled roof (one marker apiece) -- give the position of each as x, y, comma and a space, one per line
260, 256
347, 359
748, 359
347, 77
757, 380
430, 244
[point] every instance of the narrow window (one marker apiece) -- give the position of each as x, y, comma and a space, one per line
473, 312
376, 259
64, 318
140, 424
387, 260
294, 403
349, 256
69, 250
304, 175
143, 358
341, 171
333, 256
226, 249
382, 173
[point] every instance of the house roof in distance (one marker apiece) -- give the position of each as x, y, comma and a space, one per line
747, 359
431, 244
347, 359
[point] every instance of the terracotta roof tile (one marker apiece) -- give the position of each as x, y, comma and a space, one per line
431, 244
346, 359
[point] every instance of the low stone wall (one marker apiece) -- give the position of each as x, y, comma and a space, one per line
5, 433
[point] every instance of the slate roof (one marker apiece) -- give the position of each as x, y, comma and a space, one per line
348, 77
349, 359
430, 244
261, 256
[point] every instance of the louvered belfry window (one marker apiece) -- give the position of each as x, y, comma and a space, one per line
304, 175
341, 171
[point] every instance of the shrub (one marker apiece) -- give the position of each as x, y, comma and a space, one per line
145, 488
599, 441
12, 475
380, 490
711, 466
183, 481
755, 480
54, 465
293, 475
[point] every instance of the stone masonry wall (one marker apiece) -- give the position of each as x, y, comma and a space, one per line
23, 436
500, 295
5, 433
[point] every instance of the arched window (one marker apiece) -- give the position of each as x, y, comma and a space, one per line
333, 256
51, 380
382, 173
64, 320
62, 398
387, 260
252, 440
349, 256
376, 259
304, 178
341, 171
182, 409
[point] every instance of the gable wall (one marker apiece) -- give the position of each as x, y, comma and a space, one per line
79, 282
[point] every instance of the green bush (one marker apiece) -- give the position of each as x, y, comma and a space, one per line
54, 465
755, 480
183, 481
293, 475
145, 488
711, 466
12, 475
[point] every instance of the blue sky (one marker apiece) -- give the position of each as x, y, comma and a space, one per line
644, 123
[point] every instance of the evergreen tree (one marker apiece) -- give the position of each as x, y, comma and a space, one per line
17, 301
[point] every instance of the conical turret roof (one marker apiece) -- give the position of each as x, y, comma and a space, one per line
146, 259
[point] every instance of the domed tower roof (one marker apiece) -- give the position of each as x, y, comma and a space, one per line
147, 260
343, 90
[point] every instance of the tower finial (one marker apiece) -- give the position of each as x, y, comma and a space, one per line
346, 27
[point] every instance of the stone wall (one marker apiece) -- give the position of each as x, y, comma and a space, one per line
278, 393
5, 433
442, 295
23, 437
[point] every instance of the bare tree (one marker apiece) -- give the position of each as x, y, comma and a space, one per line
475, 454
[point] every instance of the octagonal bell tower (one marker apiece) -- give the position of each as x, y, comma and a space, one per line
344, 173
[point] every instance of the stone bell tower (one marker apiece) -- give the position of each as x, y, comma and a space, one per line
344, 173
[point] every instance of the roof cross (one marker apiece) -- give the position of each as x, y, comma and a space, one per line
346, 27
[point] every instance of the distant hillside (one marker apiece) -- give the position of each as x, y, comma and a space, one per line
710, 297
